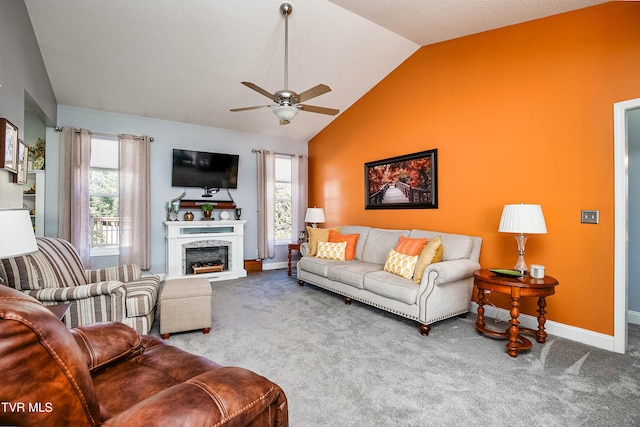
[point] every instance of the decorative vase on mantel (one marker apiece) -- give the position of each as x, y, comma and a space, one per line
206, 211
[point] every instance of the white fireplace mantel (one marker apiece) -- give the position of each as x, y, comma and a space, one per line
181, 233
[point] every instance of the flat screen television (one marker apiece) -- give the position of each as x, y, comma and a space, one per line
203, 169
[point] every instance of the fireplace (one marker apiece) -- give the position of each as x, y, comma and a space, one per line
205, 257
213, 248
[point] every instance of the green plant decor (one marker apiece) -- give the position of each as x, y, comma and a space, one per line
206, 207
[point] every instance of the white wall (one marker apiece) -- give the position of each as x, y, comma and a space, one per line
22, 76
33, 129
168, 135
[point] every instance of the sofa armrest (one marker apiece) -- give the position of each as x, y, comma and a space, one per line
450, 271
77, 292
122, 273
104, 343
228, 396
304, 249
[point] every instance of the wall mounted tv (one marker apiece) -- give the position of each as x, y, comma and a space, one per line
205, 170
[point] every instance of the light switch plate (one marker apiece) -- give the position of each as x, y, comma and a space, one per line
589, 216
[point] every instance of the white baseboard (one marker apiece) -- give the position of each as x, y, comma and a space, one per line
276, 265
633, 317
561, 330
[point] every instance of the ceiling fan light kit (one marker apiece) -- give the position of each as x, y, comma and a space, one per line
287, 102
285, 113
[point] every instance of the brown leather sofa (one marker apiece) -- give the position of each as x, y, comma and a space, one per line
107, 374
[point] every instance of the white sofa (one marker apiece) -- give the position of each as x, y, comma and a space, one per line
446, 287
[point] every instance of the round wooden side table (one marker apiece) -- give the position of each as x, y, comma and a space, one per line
516, 287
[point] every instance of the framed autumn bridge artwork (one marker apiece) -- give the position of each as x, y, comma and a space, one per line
404, 182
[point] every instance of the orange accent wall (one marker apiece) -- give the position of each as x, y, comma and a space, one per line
522, 113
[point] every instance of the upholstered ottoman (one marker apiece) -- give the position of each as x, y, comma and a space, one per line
185, 305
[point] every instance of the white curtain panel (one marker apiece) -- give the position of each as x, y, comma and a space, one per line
299, 178
135, 200
74, 222
266, 167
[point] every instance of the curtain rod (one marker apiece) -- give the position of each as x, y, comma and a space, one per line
253, 150
59, 129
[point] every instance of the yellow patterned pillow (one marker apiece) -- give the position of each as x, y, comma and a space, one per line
331, 250
400, 264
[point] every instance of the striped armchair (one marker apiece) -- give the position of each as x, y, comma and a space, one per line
55, 274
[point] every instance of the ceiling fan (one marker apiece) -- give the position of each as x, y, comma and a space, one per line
287, 102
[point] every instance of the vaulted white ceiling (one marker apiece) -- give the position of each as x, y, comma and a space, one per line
184, 60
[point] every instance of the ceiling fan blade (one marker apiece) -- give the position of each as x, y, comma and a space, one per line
249, 108
313, 92
321, 110
259, 89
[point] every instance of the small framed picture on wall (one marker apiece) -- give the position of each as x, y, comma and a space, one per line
23, 158
8, 146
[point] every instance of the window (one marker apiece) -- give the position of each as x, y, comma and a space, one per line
283, 213
104, 196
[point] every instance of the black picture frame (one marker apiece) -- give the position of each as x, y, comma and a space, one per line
403, 182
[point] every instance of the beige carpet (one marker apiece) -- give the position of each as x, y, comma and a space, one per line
357, 366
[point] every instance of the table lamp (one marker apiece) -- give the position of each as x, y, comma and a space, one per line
16, 234
314, 216
521, 219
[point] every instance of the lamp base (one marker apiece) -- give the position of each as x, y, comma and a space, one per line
521, 265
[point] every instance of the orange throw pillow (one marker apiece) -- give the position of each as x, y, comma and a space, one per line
351, 239
409, 246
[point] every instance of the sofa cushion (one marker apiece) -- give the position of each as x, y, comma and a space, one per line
18, 273
379, 242
64, 260
352, 273
401, 264
45, 273
331, 250
351, 239
30, 272
391, 286
431, 253
456, 246
123, 273
318, 266
409, 246
362, 230
317, 235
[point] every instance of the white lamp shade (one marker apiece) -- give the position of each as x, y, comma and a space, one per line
314, 215
16, 233
285, 113
521, 218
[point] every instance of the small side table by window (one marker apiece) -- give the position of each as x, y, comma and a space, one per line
60, 310
291, 247
526, 286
